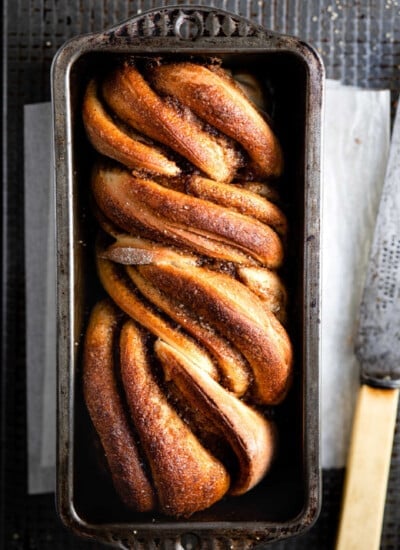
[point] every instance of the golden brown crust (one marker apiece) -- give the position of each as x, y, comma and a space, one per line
134, 101
111, 188
107, 412
268, 286
117, 286
222, 224
261, 188
251, 437
128, 201
108, 139
187, 477
242, 200
227, 108
239, 316
234, 368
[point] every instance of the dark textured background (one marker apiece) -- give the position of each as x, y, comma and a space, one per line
360, 44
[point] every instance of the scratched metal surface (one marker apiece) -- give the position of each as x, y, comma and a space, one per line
359, 41
378, 342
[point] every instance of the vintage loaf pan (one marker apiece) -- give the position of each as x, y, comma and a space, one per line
287, 501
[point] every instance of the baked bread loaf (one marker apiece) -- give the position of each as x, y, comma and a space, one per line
189, 346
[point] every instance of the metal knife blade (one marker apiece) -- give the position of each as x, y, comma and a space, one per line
378, 339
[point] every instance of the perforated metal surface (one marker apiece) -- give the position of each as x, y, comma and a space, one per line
360, 44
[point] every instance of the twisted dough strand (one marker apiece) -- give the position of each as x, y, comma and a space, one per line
251, 436
112, 190
131, 197
233, 366
176, 457
107, 412
134, 101
237, 313
212, 95
117, 287
112, 141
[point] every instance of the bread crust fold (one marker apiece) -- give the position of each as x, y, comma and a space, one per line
239, 316
130, 96
250, 435
110, 140
228, 109
199, 224
187, 477
107, 412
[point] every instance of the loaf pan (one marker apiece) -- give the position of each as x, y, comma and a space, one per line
287, 501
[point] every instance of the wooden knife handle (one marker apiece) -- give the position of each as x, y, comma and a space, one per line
367, 469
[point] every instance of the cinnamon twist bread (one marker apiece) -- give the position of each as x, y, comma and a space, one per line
191, 342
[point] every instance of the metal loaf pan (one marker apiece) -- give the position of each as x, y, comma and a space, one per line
287, 501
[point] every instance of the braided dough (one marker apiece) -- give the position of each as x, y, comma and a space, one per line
189, 346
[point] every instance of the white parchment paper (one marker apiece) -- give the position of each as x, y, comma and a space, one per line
356, 140
40, 260
356, 143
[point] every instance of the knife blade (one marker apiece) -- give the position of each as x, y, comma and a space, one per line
377, 347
